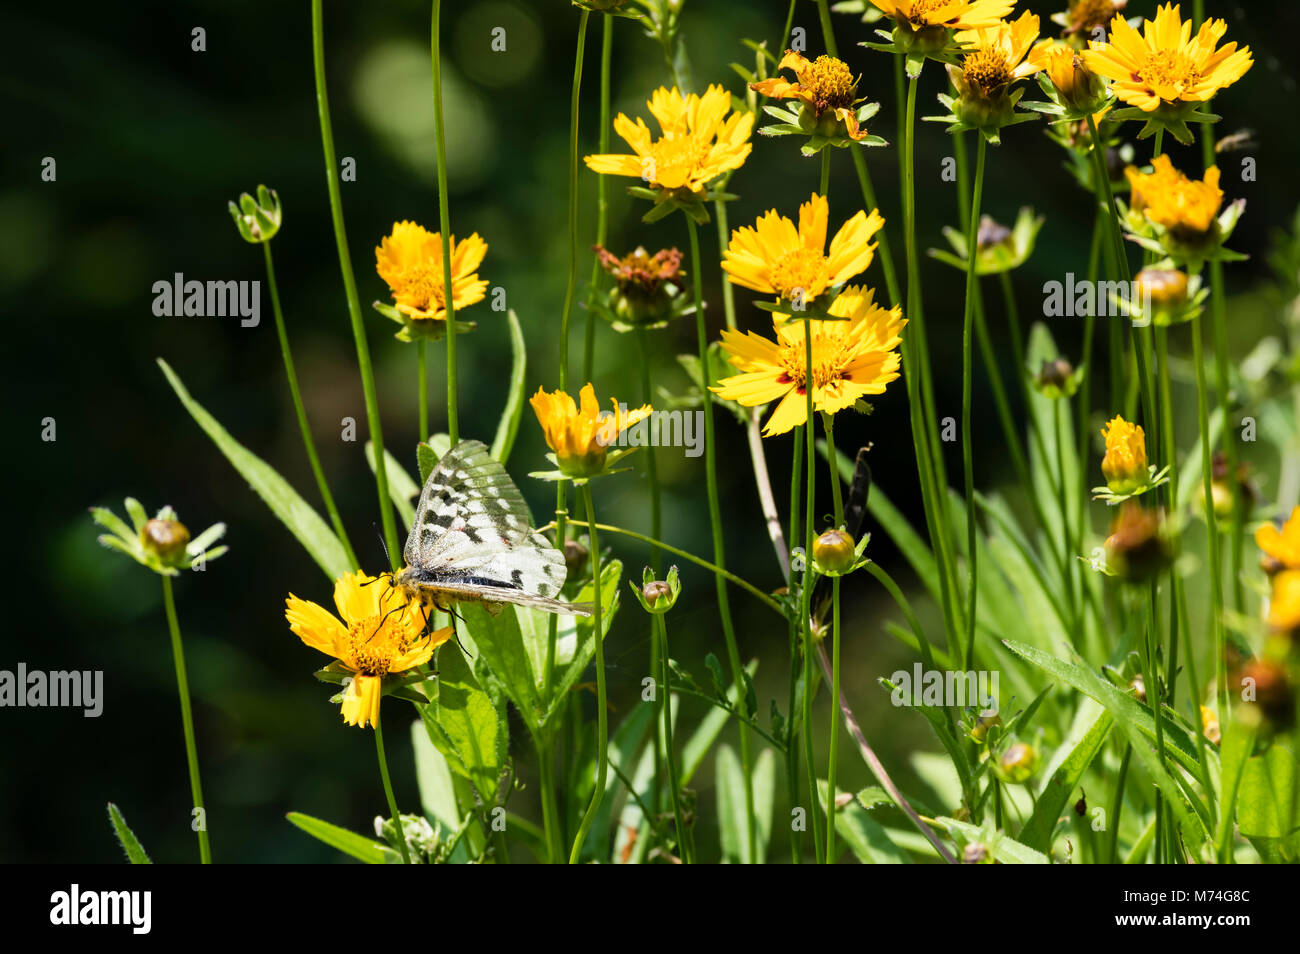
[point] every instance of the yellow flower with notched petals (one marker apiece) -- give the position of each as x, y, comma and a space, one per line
996, 57
778, 258
850, 360
1282, 546
1169, 199
952, 14
1125, 464
698, 141
1165, 64
409, 260
580, 434
378, 635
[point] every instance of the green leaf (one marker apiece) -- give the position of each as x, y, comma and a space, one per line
1006, 850
401, 488
126, 837
428, 455
508, 426
1238, 741
1268, 807
433, 775
583, 629
939, 722
865, 836
303, 522
731, 807
1132, 720
465, 726
710, 727
1037, 831
350, 843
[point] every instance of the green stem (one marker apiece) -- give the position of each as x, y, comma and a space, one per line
422, 387
828, 32
388, 790
602, 712
805, 596
665, 713
546, 782
602, 201
349, 282
719, 551
571, 283
300, 411
968, 354
1212, 530
552, 624
1117, 804
652, 476
187, 720
444, 226
828, 424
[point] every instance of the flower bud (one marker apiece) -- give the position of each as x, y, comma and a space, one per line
983, 722
1125, 464
1018, 762
1162, 286
1210, 724
976, 853
1056, 379
257, 219
834, 551
165, 539
1137, 548
657, 596
575, 559
1139, 687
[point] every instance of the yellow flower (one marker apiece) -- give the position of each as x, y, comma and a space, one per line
1284, 604
1125, 464
850, 360
1281, 547
779, 259
379, 635
409, 260
698, 141
1210, 724
952, 14
579, 434
1165, 64
1169, 199
995, 57
823, 85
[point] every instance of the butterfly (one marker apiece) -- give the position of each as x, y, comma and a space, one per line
472, 541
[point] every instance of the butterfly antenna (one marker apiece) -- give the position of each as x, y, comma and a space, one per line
383, 544
382, 621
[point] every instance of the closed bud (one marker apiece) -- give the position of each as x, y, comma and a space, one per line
575, 559
1163, 286
1056, 379
257, 219
834, 551
165, 539
1018, 762
983, 722
976, 853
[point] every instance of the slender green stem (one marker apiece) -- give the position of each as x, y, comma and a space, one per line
300, 411
602, 200
805, 594
546, 782
388, 789
444, 223
602, 711
828, 425
794, 632
789, 24
828, 32
1117, 805
665, 714
719, 549
571, 283
422, 387
1212, 532
652, 476
349, 282
552, 627
187, 720
968, 354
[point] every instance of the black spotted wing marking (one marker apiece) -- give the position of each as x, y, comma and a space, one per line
472, 536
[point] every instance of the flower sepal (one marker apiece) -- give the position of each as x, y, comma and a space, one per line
403, 686
162, 544
822, 131
578, 479
1171, 117
988, 117
1165, 297
420, 329
998, 249
1154, 478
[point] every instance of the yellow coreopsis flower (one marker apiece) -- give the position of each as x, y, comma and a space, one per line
1170, 199
948, 14
579, 433
1281, 547
1125, 464
698, 141
1284, 602
378, 636
851, 359
1165, 64
409, 260
824, 85
778, 258
996, 57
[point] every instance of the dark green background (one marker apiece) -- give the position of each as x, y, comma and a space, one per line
151, 140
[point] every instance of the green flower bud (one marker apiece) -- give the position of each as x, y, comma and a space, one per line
834, 551
165, 539
984, 721
257, 219
1018, 763
657, 596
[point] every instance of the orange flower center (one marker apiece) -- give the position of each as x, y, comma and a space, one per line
830, 82
987, 70
1162, 69
921, 10
1090, 14
804, 270
374, 643
422, 284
